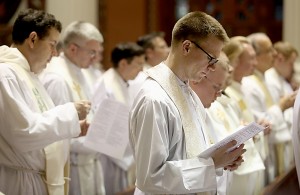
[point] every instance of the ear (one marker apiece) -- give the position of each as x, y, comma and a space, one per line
186, 44
123, 64
148, 51
72, 48
32, 38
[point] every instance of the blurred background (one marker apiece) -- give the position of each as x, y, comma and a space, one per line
126, 20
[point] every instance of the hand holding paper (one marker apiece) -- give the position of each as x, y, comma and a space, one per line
229, 160
227, 152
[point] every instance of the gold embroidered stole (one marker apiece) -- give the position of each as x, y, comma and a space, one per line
233, 93
237, 95
268, 101
62, 67
279, 147
268, 98
54, 152
168, 81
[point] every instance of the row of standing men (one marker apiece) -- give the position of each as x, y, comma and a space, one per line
233, 91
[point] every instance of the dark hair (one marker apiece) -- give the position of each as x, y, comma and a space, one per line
126, 51
146, 40
32, 20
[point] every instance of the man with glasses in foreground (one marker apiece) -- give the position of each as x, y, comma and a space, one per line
64, 81
166, 131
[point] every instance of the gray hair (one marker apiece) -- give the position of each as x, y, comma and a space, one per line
254, 39
79, 31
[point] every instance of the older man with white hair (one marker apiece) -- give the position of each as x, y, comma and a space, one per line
65, 82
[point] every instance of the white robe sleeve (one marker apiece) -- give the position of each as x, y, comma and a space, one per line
27, 130
255, 100
60, 93
56, 87
158, 142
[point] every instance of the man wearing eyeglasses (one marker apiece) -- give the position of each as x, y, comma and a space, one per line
213, 85
165, 131
65, 82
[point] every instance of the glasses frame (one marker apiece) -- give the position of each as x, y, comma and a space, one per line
211, 60
91, 53
218, 89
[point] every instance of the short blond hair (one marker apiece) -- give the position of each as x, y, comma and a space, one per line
198, 26
285, 48
234, 48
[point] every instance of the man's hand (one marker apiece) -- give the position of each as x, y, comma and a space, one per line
229, 160
84, 127
287, 101
266, 124
83, 107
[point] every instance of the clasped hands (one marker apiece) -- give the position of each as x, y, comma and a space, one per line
83, 108
229, 160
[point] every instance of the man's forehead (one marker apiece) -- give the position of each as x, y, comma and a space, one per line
53, 34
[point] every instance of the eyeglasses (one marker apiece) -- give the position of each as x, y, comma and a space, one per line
216, 87
92, 53
211, 60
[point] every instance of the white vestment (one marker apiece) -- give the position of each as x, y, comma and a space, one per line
65, 82
224, 114
279, 87
26, 133
118, 174
160, 143
256, 99
136, 84
234, 91
262, 106
296, 134
92, 74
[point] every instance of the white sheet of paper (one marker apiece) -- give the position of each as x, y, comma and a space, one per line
108, 131
240, 136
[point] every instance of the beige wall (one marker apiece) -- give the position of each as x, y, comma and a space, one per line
291, 28
68, 11
124, 20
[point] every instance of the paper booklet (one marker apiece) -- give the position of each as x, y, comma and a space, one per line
240, 136
108, 131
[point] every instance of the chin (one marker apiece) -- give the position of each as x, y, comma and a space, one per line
207, 105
